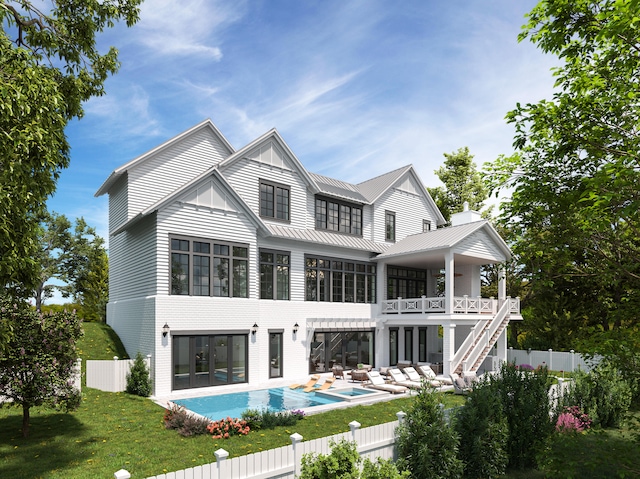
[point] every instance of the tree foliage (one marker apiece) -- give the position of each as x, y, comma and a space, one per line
575, 202
138, 379
50, 65
462, 182
39, 366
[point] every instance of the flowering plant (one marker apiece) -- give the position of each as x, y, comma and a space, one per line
224, 428
573, 420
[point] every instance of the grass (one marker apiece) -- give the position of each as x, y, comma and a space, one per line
111, 431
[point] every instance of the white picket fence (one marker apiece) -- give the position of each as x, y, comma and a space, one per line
110, 376
284, 462
554, 360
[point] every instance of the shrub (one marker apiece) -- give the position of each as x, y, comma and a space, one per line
138, 379
603, 394
483, 430
343, 462
268, 419
427, 444
225, 428
572, 420
185, 423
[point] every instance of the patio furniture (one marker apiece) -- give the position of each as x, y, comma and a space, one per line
314, 379
359, 375
431, 376
377, 382
325, 385
470, 378
338, 371
398, 378
459, 386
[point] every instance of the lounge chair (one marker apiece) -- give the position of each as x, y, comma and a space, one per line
314, 379
459, 386
413, 375
426, 371
377, 382
470, 378
325, 385
398, 378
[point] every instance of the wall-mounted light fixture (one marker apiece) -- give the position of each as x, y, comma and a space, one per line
165, 330
254, 329
295, 328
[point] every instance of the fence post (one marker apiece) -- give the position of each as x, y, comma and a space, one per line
78, 375
401, 415
116, 376
573, 360
149, 367
122, 474
354, 426
550, 359
221, 456
295, 440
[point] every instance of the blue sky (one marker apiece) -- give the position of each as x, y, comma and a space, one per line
356, 88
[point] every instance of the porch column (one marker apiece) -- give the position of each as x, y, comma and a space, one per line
502, 284
448, 347
381, 344
449, 278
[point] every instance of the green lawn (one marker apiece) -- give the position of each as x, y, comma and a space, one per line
111, 431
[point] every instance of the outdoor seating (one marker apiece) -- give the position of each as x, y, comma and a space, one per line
470, 378
413, 375
325, 385
377, 382
459, 386
398, 378
314, 379
430, 375
338, 371
359, 375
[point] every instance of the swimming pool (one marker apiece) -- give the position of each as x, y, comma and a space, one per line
234, 404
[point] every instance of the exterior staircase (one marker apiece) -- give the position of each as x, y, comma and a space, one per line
479, 342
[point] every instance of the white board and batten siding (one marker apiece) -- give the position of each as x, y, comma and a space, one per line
170, 168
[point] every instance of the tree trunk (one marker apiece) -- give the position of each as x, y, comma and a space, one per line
25, 420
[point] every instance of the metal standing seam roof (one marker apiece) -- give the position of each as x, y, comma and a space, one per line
326, 238
339, 188
373, 188
433, 240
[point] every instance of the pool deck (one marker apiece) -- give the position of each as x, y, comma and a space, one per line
278, 383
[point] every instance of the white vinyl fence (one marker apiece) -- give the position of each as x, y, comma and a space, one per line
110, 376
284, 462
554, 360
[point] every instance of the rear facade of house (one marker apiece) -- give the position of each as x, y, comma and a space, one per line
237, 267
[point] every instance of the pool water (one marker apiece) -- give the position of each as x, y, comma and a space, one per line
354, 392
234, 404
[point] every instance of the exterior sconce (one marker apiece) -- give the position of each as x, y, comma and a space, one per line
295, 328
165, 330
254, 329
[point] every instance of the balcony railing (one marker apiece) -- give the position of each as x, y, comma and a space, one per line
461, 304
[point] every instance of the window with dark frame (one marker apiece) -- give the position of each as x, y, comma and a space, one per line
274, 275
422, 345
389, 226
209, 268
408, 344
426, 226
339, 281
274, 200
334, 215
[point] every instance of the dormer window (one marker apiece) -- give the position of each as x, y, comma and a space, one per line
274, 200
334, 215
389, 226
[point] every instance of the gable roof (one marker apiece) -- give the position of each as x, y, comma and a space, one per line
271, 135
214, 172
442, 239
339, 188
121, 170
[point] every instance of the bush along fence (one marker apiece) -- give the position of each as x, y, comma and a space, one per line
553, 360
284, 462
110, 376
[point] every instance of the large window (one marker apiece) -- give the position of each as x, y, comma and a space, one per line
389, 226
275, 354
209, 268
408, 344
338, 216
346, 348
406, 283
274, 200
393, 346
339, 281
209, 360
274, 275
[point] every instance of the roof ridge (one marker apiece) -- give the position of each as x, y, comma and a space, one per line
385, 174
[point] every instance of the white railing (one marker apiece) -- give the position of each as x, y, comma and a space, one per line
110, 375
461, 304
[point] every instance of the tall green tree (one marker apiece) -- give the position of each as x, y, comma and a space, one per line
462, 182
49, 66
40, 364
575, 202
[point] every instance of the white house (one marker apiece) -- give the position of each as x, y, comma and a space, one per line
238, 266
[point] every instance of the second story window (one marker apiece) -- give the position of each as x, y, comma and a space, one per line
426, 226
274, 275
389, 226
338, 216
209, 268
274, 200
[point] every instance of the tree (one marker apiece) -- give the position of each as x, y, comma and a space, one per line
138, 379
575, 205
462, 182
39, 365
50, 65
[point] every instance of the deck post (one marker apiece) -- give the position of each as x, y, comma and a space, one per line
221, 456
